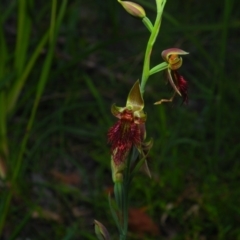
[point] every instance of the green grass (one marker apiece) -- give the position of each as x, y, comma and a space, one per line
93, 62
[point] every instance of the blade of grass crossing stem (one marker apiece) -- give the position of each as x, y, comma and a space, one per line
41, 84
18, 85
98, 98
114, 214
20, 225
3, 115
52, 34
3, 136
23, 33
3, 51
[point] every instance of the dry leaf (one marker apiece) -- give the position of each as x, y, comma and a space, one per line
109, 190
3, 168
141, 223
47, 214
66, 178
80, 212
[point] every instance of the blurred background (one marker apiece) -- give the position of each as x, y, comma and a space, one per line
62, 65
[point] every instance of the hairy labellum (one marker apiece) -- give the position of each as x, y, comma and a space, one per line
123, 135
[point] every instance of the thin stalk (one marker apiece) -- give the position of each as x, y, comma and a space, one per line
3, 137
52, 34
18, 85
146, 65
221, 74
126, 187
40, 88
3, 115
23, 31
125, 207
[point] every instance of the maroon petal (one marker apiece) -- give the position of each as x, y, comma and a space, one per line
182, 85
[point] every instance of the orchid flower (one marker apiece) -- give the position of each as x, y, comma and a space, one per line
129, 131
179, 84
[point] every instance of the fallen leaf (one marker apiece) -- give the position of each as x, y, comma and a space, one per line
47, 214
109, 190
66, 178
3, 168
80, 212
141, 223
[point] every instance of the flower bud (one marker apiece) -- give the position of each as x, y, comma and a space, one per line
133, 8
101, 231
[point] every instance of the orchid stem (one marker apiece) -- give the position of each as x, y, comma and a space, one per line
146, 65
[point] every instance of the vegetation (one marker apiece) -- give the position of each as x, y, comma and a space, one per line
63, 64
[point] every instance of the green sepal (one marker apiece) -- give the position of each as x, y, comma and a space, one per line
135, 100
116, 111
168, 52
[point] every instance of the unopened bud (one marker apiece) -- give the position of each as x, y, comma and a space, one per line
133, 8
101, 231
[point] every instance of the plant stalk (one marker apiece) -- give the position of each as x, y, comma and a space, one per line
146, 65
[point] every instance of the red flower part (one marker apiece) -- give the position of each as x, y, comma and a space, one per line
129, 130
125, 134
181, 85
173, 57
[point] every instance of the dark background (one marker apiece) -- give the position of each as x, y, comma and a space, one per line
65, 174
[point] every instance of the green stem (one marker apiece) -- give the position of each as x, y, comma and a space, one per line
146, 65
3, 115
23, 32
18, 85
160, 67
126, 186
3, 137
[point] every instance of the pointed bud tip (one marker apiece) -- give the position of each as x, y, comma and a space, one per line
100, 231
172, 51
135, 99
134, 9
